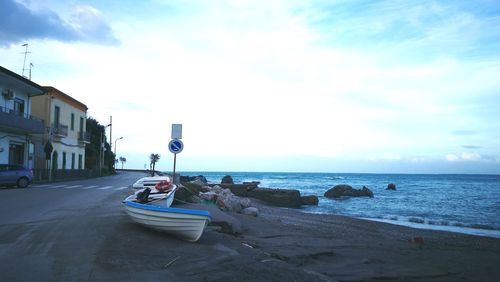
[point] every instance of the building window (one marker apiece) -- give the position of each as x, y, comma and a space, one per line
19, 107
72, 121
72, 160
81, 124
80, 161
57, 113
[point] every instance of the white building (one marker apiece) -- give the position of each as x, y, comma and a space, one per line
19, 131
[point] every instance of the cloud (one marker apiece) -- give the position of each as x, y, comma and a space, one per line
19, 23
91, 26
463, 132
356, 88
465, 156
471, 147
468, 156
419, 29
387, 157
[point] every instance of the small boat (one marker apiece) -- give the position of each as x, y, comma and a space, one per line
149, 181
163, 190
157, 214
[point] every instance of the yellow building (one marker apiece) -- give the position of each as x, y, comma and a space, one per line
65, 119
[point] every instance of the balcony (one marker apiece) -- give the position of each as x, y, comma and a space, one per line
84, 137
19, 122
59, 130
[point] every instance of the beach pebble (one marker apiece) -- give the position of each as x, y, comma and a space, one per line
226, 200
209, 196
251, 211
199, 182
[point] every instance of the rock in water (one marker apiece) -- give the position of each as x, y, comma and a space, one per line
391, 186
344, 190
278, 197
227, 180
310, 200
365, 192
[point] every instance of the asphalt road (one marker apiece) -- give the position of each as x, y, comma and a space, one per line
53, 232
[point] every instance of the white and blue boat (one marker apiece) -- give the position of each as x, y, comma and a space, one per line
186, 224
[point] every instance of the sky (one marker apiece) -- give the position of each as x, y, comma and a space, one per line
285, 85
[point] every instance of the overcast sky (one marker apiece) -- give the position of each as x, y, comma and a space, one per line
331, 86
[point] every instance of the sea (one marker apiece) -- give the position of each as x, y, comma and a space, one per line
463, 203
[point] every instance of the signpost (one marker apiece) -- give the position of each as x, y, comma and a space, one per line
175, 146
176, 131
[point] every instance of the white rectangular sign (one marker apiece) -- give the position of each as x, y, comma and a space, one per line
176, 131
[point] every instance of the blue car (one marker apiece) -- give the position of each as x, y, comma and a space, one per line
11, 175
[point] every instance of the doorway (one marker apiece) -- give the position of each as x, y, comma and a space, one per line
54, 160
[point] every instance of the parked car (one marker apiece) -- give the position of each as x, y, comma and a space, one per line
11, 175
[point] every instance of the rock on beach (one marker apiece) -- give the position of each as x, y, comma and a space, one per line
219, 193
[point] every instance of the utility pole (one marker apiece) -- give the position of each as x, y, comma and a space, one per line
110, 133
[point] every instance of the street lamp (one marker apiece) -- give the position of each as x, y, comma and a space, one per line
101, 150
115, 149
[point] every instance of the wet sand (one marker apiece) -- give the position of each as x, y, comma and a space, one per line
288, 245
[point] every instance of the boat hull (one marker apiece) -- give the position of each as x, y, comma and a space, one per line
183, 223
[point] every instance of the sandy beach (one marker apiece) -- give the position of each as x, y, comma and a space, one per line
288, 245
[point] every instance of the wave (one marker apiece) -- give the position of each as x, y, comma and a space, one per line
335, 177
443, 225
420, 220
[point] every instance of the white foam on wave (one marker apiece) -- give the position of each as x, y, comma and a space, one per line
449, 228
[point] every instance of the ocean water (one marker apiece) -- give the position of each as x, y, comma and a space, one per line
459, 203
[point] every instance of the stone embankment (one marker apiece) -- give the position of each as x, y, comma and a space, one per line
290, 198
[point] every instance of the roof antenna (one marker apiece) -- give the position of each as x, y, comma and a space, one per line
26, 52
31, 66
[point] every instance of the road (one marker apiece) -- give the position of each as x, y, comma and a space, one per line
54, 232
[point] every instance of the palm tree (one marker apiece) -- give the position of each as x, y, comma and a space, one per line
123, 160
154, 158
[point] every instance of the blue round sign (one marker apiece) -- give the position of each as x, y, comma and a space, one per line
175, 146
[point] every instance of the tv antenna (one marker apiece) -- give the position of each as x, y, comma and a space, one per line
26, 52
31, 66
